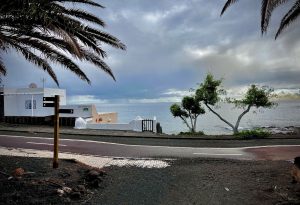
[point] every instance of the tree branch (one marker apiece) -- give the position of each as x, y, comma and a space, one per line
219, 116
187, 124
240, 117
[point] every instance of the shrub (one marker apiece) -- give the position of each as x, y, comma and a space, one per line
253, 134
200, 133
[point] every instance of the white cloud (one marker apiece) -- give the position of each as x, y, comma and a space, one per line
156, 100
157, 16
240, 91
178, 93
200, 52
85, 99
287, 91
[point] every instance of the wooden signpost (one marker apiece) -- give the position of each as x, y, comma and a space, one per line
54, 102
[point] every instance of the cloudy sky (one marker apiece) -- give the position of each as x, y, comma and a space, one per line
171, 46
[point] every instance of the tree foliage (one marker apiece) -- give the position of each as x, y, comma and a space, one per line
267, 8
48, 31
188, 111
256, 97
209, 93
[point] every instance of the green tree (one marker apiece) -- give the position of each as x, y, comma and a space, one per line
188, 111
267, 8
209, 93
51, 31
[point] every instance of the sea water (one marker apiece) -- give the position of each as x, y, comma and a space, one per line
286, 113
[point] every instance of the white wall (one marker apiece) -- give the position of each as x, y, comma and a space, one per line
111, 126
134, 125
51, 92
84, 111
14, 101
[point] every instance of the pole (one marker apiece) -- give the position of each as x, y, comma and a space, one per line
31, 105
56, 131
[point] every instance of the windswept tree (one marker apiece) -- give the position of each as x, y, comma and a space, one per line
267, 8
256, 97
53, 31
188, 111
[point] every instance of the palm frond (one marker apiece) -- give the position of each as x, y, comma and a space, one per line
54, 30
80, 1
90, 57
290, 16
88, 38
69, 64
78, 13
31, 57
85, 16
56, 42
55, 56
2, 67
72, 25
91, 43
227, 4
72, 42
51, 54
267, 9
106, 38
264, 11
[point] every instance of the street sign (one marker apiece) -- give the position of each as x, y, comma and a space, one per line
48, 104
49, 99
66, 111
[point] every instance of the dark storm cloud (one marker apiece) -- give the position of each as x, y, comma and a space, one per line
173, 44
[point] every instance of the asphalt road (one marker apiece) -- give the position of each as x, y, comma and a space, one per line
165, 141
283, 150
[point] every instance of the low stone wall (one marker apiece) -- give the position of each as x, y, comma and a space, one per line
134, 125
110, 126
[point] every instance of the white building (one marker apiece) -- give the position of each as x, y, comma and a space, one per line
25, 105
18, 103
29, 101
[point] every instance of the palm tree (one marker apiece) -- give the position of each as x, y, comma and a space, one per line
49, 31
267, 7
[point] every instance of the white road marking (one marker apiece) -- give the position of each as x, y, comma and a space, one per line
38, 143
217, 154
153, 146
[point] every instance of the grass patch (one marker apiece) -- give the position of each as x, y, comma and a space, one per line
253, 134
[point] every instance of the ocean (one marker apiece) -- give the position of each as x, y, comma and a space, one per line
287, 113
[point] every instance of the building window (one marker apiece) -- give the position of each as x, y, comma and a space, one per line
85, 109
28, 104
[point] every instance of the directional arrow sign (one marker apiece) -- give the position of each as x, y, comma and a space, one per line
48, 104
66, 111
49, 99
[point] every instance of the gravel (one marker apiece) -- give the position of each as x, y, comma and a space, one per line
203, 181
184, 181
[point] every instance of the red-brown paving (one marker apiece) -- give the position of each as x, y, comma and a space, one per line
274, 153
